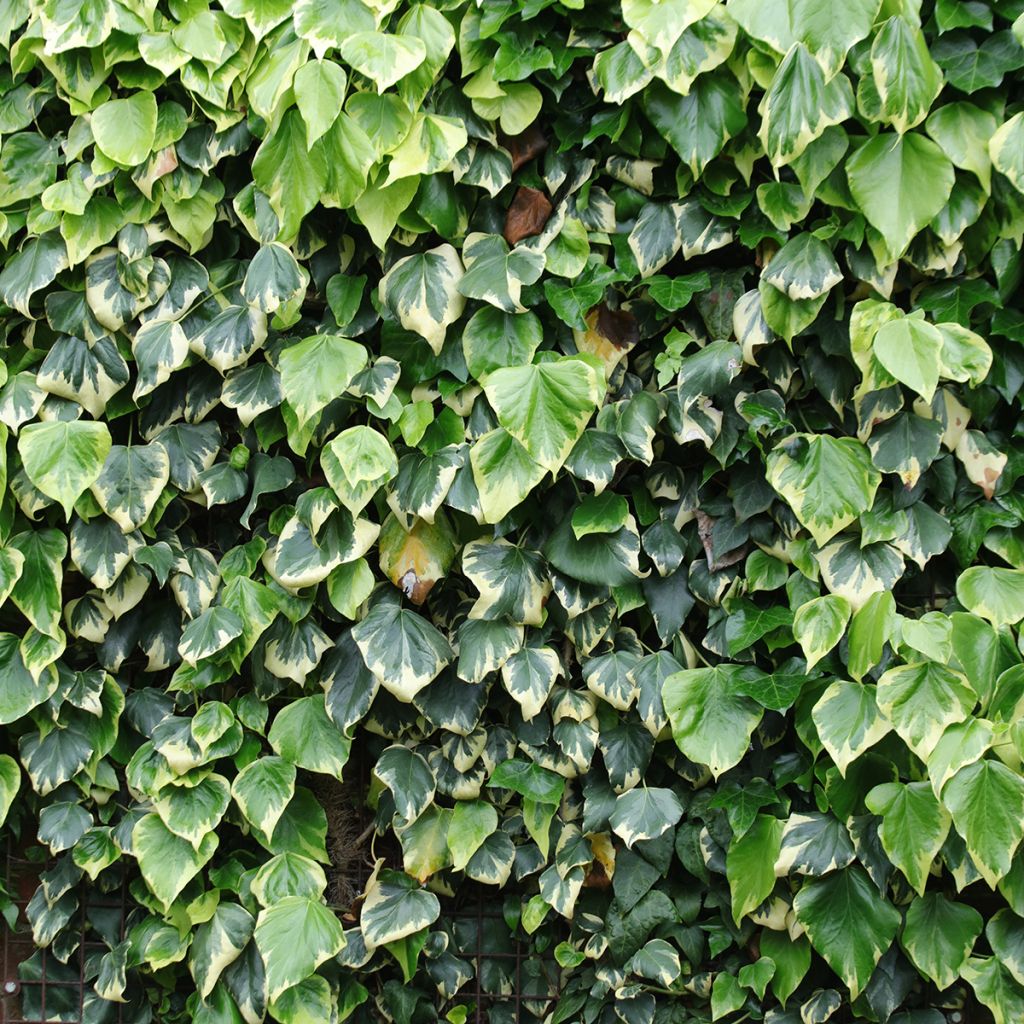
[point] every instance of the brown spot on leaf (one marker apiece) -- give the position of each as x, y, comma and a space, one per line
527, 215
525, 146
619, 326
610, 334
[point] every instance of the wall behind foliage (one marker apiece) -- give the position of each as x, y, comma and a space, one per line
599, 421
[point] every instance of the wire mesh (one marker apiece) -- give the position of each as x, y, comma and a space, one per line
36, 986
511, 982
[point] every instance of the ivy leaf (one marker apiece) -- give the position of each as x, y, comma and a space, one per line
167, 862
409, 778
64, 459
994, 593
819, 625
900, 182
986, 800
295, 936
711, 723
848, 721
828, 34
316, 371
545, 406
383, 58
400, 647
424, 292
914, 827
305, 736
800, 104
395, 907
922, 700
938, 936
848, 923
496, 274
645, 813
827, 481
124, 130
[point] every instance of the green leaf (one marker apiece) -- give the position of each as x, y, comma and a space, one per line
21, 692
217, 943
409, 778
472, 822
430, 147
601, 513
645, 813
819, 625
909, 349
305, 736
288, 874
512, 581
32, 269
316, 371
1006, 148
905, 76
395, 906
995, 986
528, 675
922, 700
209, 633
529, 780
1005, 934
495, 273
263, 789
37, 590
125, 129
319, 90
848, 721
503, 473
292, 177
545, 406
64, 459
167, 862
848, 923
131, 482
711, 723
294, 937
804, 268
194, 812
401, 648
423, 292
938, 936
697, 126
871, 627
827, 33
357, 463
10, 783
799, 105
274, 278
986, 800
995, 594
900, 183
750, 865
493, 338
827, 481
657, 961
914, 827
383, 58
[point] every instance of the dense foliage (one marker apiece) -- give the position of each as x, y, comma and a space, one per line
601, 418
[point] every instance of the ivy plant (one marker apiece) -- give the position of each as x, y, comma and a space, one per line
563, 451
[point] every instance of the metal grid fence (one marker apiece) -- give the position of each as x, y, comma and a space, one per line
511, 985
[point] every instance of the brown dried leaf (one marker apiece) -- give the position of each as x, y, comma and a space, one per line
527, 215
525, 146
